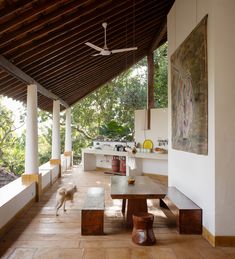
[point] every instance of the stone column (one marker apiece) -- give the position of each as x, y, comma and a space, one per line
68, 137
55, 159
31, 149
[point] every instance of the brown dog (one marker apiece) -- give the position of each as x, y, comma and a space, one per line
64, 194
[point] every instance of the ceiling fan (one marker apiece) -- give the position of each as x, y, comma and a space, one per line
105, 51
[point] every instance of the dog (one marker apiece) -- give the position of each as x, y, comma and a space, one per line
64, 194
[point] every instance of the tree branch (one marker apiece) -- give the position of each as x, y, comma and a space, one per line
83, 133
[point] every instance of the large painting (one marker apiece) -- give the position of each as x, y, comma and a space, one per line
189, 93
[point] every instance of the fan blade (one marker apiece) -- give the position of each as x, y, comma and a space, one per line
96, 55
123, 50
93, 46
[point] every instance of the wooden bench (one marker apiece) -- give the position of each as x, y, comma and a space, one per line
189, 215
92, 217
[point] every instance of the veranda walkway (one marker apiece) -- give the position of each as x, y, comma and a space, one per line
40, 234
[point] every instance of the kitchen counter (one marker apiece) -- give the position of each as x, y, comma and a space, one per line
89, 159
110, 152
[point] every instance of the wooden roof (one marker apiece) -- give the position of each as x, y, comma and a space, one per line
44, 39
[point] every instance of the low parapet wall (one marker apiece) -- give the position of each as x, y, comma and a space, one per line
16, 197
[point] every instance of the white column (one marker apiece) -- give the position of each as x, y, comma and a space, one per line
68, 138
56, 130
31, 148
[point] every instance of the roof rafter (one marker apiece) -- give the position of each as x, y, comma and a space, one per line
158, 37
43, 42
19, 74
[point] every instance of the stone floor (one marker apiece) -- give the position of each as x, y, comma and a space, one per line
40, 234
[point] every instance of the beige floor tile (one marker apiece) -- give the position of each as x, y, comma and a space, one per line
141, 253
40, 234
71, 254
118, 253
163, 253
94, 253
46, 243
19, 253
47, 253
216, 253
184, 251
5, 253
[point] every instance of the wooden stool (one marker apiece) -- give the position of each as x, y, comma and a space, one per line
142, 233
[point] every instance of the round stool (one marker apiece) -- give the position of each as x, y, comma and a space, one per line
142, 233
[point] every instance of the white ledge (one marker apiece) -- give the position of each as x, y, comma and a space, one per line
110, 152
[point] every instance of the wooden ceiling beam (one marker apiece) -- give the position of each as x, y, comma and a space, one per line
93, 81
16, 91
75, 42
78, 80
49, 29
68, 31
42, 100
13, 7
54, 54
72, 60
104, 81
77, 68
14, 83
5, 80
26, 15
85, 74
77, 51
32, 27
19, 74
10, 87
158, 36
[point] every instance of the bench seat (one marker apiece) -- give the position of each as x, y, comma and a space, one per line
188, 214
92, 217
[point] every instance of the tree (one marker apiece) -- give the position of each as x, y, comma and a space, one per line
11, 145
109, 111
160, 77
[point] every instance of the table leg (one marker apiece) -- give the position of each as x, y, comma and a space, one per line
123, 206
135, 205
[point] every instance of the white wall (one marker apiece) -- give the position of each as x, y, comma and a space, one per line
13, 197
209, 180
224, 12
63, 163
158, 128
191, 173
46, 177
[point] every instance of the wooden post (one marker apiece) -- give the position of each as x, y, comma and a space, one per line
150, 99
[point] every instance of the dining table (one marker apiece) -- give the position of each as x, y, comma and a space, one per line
135, 194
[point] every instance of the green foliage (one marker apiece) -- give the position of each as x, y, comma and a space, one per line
109, 111
113, 130
110, 106
160, 77
11, 145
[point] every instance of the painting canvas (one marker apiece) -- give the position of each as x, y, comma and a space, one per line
189, 93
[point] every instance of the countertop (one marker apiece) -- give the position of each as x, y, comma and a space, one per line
111, 152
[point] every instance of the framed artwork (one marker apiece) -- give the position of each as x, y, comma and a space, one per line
189, 93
